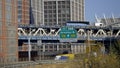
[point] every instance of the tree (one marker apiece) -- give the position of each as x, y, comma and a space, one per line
115, 48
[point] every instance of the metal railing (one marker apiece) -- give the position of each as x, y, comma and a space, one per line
18, 65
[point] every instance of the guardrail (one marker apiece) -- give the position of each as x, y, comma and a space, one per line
31, 64
51, 61
18, 65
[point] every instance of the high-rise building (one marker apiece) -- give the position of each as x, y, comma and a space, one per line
56, 12
23, 12
36, 12
8, 31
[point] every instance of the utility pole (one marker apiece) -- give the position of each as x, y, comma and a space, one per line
88, 42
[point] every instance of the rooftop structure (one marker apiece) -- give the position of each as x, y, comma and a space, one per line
108, 21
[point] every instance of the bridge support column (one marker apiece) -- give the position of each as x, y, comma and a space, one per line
71, 48
39, 44
58, 47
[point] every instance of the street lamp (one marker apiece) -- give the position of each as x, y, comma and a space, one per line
88, 41
110, 27
29, 49
29, 45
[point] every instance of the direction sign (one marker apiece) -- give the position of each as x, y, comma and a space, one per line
68, 32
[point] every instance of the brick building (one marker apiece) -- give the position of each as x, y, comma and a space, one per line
8, 31
23, 12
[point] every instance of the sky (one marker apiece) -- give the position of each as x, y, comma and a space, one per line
100, 8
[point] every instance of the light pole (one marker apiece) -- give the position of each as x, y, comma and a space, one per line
88, 42
29, 49
29, 45
111, 32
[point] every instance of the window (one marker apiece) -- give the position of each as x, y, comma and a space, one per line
46, 46
19, 11
11, 33
59, 11
41, 47
8, 16
63, 6
63, 15
45, 7
59, 15
50, 11
51, 46
59, 19
45, 20
68, 15
49, 7
8, 13
46, 50
59, 6
60, 46
63, 11
54, 2
45, 2
54, 20
68, 46
20, 16
20, 2
64, 46
54, 7
33, 47
59, 2
0, 45
19, 7
55, 46
49, 2
0, 10
11, 50
63, 2
67, 11
50, 20
8, 1
50, 15
45, 16
0, 25
19, 20
0, 28
0, 42
54, 11
0, 1
68, 2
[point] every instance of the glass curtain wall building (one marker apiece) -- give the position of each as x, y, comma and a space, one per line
8, 31
56, 12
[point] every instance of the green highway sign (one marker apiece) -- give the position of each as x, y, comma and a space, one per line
68, 32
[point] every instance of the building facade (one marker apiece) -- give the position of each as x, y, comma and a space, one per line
23, 12
8, 31
56, 12
36, 12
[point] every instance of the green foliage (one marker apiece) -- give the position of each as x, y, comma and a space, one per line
115, 48
99, 61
